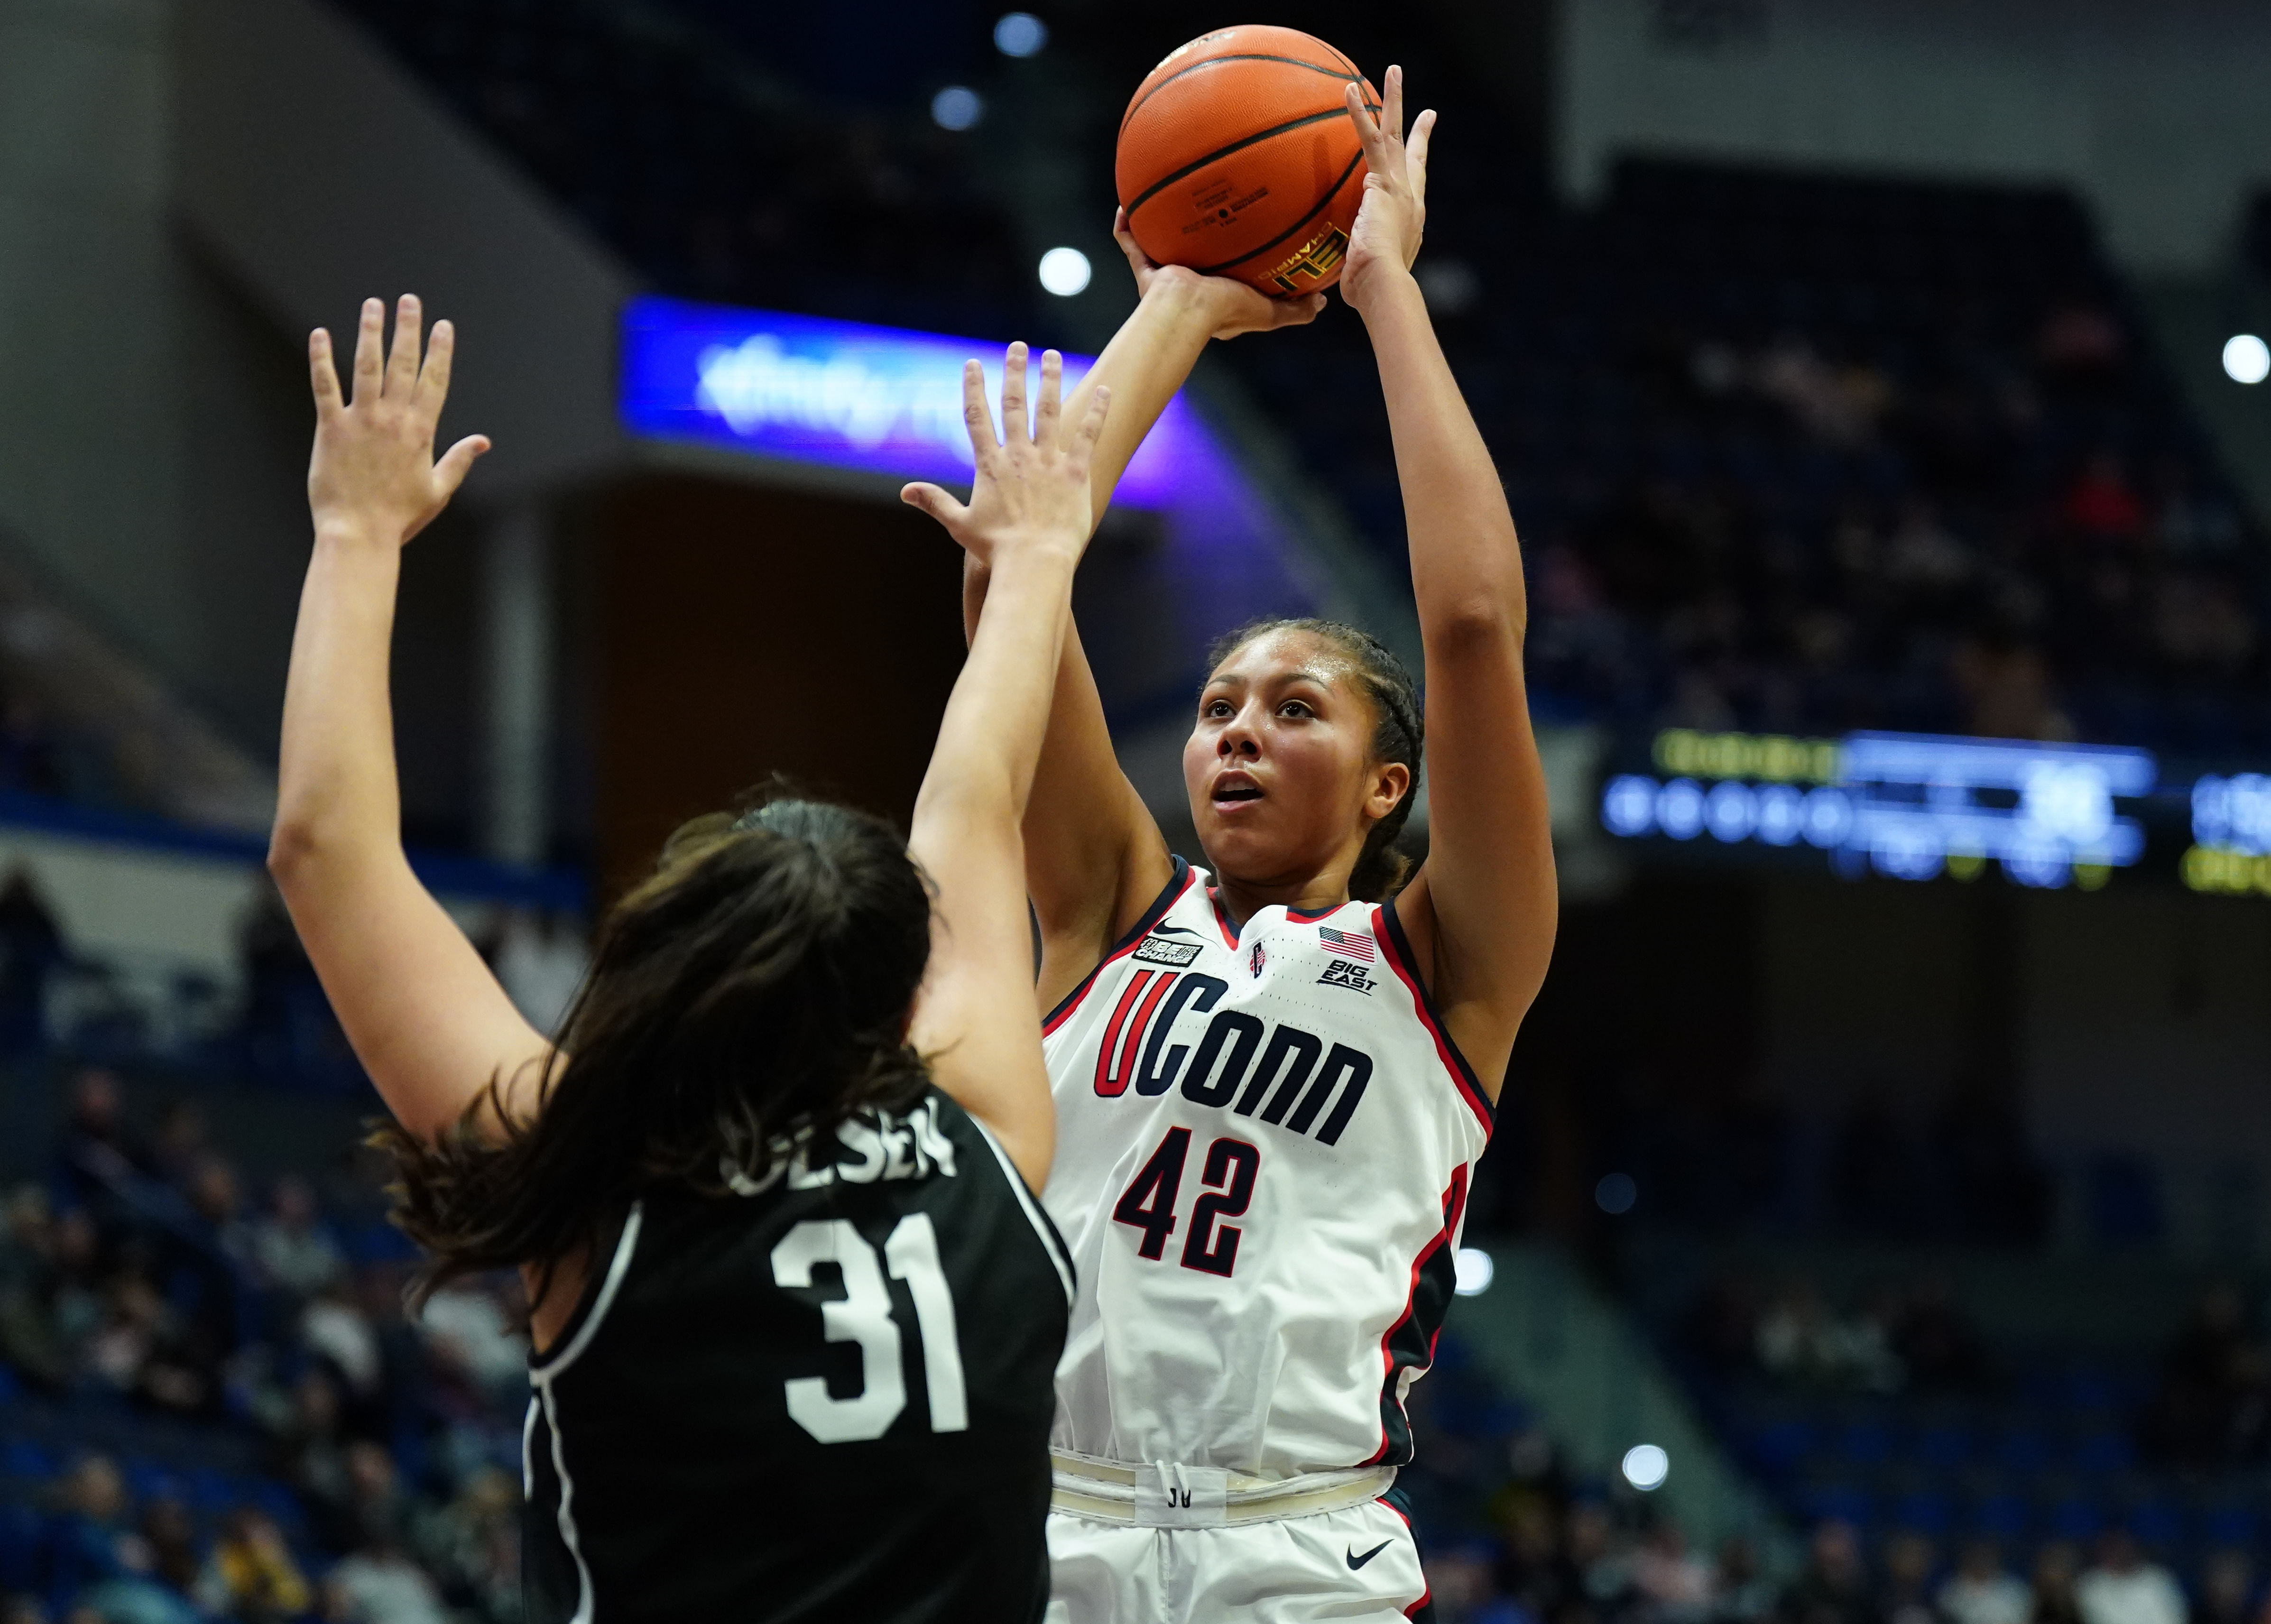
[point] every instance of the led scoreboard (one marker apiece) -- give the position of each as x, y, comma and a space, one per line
2231, 835
1907, 806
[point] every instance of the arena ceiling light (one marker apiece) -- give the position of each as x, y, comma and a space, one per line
958, 106
2246, 358
1474, 1269
1646, 1466
1020, 33
1064, 272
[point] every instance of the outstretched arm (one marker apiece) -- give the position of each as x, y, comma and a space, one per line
1094, 858
1029, 519
1481, 914
427, 1018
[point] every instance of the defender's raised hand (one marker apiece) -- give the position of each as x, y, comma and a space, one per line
374, 468
1393, 217
1032, 486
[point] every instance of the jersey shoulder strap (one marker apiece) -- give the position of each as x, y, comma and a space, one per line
1401, 960
1179, 883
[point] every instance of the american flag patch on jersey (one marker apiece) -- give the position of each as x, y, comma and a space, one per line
1347, 945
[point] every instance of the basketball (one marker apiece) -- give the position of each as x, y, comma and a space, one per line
1238, 157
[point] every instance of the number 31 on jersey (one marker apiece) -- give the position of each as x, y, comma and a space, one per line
863, 1315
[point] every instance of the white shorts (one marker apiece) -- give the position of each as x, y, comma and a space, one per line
1359, 1562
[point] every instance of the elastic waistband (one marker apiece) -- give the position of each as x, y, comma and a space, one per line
1164, 1494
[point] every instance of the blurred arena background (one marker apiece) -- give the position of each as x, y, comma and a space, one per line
1879, 1218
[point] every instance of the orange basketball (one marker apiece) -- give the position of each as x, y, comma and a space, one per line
1238, 157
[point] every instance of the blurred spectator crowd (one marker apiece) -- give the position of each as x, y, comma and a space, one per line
1515, 1536
1795, 453
1895, 1420
215, 1407
714, 174
1722, 1156
1800, 454
273, 1027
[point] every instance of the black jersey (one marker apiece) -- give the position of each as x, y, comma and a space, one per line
827, 1396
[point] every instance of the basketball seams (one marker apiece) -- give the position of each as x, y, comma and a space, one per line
1220, 152
1323, 203
1141, 96
1260, 165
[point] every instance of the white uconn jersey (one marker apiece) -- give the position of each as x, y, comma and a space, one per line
1265, 1142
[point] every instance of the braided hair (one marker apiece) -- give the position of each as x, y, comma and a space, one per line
1398, 735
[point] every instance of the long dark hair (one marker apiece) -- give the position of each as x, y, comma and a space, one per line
752, 993
1398, 735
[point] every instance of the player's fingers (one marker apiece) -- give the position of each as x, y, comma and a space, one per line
1091, 422
1367, 131
1015, 429
409, 333
369, 368
1044, 411
931, 500
1391, 103
1297, 312
977, 416
458, 462
324, 374
1415, 150
434, 375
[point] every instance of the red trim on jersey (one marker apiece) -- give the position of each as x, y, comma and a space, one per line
1427, 1590
1455, 1203
1170, 894
1223, 920
1388, 930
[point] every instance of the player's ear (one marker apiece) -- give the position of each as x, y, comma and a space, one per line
1389, 780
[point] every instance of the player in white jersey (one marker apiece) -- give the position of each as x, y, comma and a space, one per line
1274, 1074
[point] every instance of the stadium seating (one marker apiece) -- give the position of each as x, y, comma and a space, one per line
713, 180
1805, 452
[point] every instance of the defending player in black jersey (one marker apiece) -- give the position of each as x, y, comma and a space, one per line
795, 1310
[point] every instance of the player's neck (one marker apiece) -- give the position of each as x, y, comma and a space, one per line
1241, 899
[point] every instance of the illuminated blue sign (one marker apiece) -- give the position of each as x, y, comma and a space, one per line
2230, 852
841, 393
1912, 805
2233, 814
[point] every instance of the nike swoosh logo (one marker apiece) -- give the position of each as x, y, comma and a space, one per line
1173, 930
1356, 1561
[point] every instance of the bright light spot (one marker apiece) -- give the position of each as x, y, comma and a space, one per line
1628, 805
1020, 33
2246, 359
1731, 810
1064, 272
1829, 816
1615, 1194
1474, 1271
958, 106
1647, 1466
2073, 803
1781, 813
1679, 809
